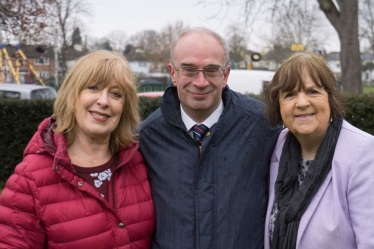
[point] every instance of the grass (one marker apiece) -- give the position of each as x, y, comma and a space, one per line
367, 89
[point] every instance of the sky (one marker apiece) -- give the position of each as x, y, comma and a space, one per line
139, 15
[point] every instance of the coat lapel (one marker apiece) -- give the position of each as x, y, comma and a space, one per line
274, 167
312, 207
272, 178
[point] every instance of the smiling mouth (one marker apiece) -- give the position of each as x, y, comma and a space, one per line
200, 93
101, 116
304, 115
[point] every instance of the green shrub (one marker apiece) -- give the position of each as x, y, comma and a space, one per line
147, 106
20, 120
360, 111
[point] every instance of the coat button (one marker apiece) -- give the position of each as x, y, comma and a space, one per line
121, 225
57, 168
80, 184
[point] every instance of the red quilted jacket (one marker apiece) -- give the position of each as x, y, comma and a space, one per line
46, 205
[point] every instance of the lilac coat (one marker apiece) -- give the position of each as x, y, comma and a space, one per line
341, 214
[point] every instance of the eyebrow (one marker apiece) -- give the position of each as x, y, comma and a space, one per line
315, 85
193, 65
302, 87
187, 65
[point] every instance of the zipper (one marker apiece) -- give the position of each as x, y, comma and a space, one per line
114, 195
196, 199
197, 241
112, 179
188, 134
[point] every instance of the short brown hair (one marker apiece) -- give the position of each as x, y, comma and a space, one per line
290, 75
98, 67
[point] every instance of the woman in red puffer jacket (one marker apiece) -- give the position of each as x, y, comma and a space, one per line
82, 182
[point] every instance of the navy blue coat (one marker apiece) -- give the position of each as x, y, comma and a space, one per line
213, 196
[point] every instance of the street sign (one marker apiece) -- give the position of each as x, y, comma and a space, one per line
297, 47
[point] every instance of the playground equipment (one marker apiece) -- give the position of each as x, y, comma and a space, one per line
18, 62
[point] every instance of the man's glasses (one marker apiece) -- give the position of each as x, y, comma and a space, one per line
190, 73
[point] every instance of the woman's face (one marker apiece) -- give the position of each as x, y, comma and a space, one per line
98, 112
306, 112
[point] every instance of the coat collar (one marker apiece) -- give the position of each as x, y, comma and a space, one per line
46, 141
170, 105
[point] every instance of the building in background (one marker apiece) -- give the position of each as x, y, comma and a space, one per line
39, 62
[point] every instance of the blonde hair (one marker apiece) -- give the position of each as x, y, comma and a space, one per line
98, 68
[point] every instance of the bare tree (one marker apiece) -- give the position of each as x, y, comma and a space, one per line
278, 53
147, 43
299, 23
343, 16
367, 21
154, 46
236, 41
251, 10
117, 40
65, 16
165, 42
114, 41
22, 20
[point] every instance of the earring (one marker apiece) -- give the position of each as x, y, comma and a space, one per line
330, 120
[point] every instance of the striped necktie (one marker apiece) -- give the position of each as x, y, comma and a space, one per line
198, 132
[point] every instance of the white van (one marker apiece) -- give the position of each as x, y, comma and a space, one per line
26, 91
249, 81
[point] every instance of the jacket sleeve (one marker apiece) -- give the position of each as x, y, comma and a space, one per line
20, 226
360, 193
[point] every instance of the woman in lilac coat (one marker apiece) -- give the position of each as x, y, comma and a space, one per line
322, 169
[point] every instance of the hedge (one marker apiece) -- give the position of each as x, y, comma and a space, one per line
20, 119
360, 111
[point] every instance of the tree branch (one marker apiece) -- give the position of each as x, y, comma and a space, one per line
332, 13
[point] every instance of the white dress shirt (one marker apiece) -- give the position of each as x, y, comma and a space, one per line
209, 122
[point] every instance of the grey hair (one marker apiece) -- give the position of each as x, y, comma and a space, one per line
200, 30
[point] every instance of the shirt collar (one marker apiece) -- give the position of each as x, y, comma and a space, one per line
209, 122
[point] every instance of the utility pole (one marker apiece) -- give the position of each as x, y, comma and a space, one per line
55, 49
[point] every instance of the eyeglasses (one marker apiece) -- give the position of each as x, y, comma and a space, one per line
190, 72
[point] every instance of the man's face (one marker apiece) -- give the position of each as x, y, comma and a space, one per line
199, 96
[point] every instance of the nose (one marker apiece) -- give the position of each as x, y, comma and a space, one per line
200, 80
302, 100
103, 100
